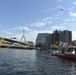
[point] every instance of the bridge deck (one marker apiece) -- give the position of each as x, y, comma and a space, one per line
14, 41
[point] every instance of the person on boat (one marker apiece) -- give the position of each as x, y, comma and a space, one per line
63, 48
41, 49
75, 50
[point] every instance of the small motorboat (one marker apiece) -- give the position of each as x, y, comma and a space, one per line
68, 52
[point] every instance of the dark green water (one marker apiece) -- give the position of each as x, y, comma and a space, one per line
33, 62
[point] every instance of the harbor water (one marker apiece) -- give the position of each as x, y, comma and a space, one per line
33, 62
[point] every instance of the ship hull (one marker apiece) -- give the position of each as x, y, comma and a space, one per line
66, 56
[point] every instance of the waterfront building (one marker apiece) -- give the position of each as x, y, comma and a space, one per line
63, 36
66, 36
57, 36
44, 38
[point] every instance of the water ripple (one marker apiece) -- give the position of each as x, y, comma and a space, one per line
34, 62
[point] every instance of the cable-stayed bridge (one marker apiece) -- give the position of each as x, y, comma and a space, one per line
14, 41
3, 39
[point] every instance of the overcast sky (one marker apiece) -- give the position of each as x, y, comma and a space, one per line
36, 16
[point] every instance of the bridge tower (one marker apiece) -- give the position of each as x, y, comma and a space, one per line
23, 37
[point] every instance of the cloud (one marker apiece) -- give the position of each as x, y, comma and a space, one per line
42, 22
14, 28
70, 20
58, 27
49, 10
59, 0
7, 32
24, 27
47, 19
56, 17
74, 3
69, 9
73, 14
60, 7
49, 22
38, 24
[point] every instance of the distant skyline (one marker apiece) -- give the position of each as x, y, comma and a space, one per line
36, 16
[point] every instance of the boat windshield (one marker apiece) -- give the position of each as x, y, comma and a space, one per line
70, 50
